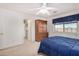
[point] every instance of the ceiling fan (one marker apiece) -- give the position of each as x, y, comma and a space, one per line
44, 9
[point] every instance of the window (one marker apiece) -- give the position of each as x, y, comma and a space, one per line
66, 27
59, 27
71, 27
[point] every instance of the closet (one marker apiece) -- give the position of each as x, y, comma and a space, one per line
40, 30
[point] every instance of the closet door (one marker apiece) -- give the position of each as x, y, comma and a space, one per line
40, 30
1, 30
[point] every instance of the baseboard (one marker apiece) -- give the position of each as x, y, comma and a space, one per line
10, 46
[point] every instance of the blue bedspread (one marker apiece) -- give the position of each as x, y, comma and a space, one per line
60, 46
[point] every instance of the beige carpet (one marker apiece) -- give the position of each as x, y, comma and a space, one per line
28, 48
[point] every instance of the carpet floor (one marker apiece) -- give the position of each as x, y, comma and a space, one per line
28, 48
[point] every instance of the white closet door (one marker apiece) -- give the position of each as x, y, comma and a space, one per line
1, 31
11, 29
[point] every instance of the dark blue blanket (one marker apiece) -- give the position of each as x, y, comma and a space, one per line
60, 46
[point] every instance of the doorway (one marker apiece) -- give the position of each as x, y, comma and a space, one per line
26, 28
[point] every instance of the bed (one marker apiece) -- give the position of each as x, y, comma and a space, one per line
59, 46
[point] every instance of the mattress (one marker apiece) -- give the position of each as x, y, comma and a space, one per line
59, 46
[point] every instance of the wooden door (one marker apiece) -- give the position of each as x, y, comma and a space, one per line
40, 30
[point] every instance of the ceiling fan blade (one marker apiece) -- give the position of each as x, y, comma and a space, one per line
34, 9
50, 8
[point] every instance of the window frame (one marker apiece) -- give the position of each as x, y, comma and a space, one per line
58, 24
64, 29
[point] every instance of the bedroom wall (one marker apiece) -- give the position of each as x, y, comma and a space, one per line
12, 27
51, 26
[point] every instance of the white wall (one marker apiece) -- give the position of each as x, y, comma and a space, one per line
51, 26
11, 24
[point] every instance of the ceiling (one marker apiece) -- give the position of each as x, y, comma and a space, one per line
24, 7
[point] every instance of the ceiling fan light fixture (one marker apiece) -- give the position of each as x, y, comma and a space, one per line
43, 11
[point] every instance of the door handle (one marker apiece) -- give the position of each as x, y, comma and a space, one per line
1, 33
